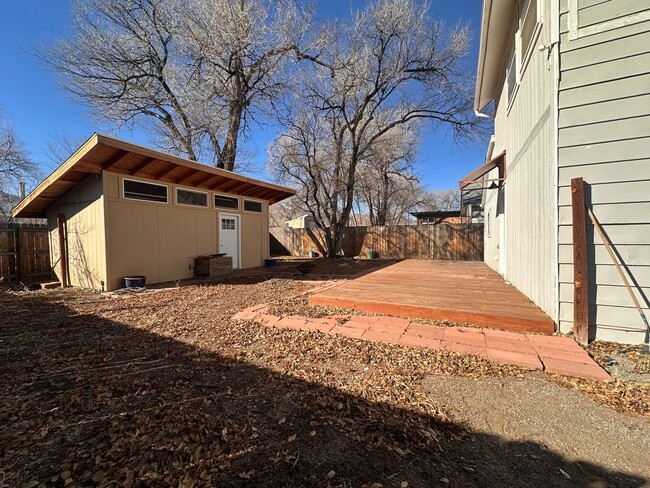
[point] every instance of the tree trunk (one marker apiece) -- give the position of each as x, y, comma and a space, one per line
229, 152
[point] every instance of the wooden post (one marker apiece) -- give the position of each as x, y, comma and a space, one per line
580, 278
60, 224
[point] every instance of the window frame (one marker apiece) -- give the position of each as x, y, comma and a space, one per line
253, 200
520, 58
233, 197
191, 190
124, 180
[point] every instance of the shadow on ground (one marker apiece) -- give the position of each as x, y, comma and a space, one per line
95, 401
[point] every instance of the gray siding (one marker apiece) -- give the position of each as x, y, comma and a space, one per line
522, 244
604, 137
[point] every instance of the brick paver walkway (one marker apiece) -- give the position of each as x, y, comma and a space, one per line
554, 354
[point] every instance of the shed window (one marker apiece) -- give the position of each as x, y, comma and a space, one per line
190, 197
139, 190
251, 206
221, 201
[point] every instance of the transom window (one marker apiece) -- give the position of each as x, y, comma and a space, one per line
222, 201
252, 206
150, 192
191, 197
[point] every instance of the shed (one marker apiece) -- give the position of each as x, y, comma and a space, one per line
121, 209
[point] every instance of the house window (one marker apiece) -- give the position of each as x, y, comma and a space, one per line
512, 75
251, 206
527, 24
139, 190
221, 201
489, 224
191, 197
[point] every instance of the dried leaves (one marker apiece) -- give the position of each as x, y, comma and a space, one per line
163, 389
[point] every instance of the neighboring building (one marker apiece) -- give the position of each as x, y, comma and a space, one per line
303, 222
568, 85
439, 217
128, 210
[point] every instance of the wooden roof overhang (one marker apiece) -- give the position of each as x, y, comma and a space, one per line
101, 153
475, 176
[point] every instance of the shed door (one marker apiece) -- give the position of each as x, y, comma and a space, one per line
229, 237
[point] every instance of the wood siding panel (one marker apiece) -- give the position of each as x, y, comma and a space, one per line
607, 275
624, 213
605, 294
609, 110
604, 134
630, 254
615, 69
625, 192
616, 130
604, 11
605, 152
83, 208
603, 52
619, 171
602, 38
611, 90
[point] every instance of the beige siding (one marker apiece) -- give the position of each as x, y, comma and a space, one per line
604, 137
161, 241
82, 207
525, 129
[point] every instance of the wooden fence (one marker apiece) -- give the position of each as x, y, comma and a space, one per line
462, 242
24, 252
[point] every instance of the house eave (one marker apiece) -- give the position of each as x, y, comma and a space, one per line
496, 20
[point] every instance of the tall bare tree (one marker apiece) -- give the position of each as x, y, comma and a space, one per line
387, 187
192, 72
15, 167
391, 66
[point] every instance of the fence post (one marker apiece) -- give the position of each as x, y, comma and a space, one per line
580, 277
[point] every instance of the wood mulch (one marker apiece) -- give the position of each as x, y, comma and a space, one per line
164, 389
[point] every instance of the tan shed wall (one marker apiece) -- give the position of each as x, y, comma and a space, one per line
604, 137
160, 241
84, 224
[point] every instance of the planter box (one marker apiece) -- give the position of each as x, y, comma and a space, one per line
208, 266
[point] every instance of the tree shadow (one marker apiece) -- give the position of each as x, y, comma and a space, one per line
95, 400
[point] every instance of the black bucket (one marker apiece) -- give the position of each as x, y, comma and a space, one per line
134, 281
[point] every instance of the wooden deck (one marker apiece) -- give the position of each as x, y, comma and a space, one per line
457, 291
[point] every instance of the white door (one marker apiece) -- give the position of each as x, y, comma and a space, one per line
229, 237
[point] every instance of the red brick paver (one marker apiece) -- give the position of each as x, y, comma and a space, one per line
555, 354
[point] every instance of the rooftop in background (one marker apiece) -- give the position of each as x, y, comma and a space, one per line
101, 153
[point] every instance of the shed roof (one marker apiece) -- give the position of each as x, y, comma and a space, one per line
107, 153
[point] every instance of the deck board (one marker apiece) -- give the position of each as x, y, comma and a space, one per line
458, 291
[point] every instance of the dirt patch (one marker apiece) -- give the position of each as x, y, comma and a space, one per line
164, 389
560, 421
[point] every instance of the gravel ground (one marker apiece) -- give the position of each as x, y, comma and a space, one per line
564, 423
162, 389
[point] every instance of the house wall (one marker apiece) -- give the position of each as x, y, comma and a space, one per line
161, 240
82, 207
604, 137
520, 239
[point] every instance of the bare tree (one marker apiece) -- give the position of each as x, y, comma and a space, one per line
15, 167
439, 200
192, 72
392, 66
387, 186
61, 146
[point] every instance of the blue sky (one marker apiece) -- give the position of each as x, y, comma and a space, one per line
40, 109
